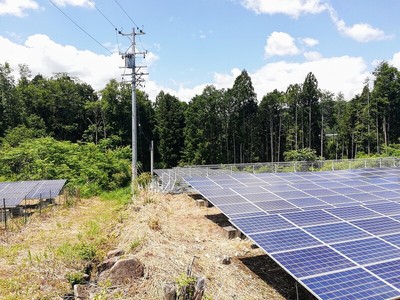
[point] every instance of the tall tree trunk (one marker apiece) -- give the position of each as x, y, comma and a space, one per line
322, 135
295, 128
309, 128
271, 132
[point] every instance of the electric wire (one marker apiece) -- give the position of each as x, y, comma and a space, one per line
126, 13
98, 9
77, 25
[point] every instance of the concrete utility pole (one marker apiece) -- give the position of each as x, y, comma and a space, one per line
136, 78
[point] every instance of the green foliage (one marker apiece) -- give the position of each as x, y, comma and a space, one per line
75, 278
144, 180
305, 154
85, 165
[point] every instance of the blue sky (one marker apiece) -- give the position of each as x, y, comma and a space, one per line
199, 42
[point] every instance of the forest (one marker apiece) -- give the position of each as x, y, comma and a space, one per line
219, 126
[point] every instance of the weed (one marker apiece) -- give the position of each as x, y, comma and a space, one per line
75, 278
154, 223
135, 244
86, 251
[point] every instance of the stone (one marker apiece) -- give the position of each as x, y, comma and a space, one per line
226, 260
116, 252
125, 271
231, 232
81, 292
107, 264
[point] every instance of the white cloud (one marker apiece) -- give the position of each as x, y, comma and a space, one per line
328, 71
312, 55
280, 43
360, 32
85, 3
309, 42
293, 8
46, 57
395, 61
17, 7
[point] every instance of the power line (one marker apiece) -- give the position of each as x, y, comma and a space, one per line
98, 9
77, 25
126, 13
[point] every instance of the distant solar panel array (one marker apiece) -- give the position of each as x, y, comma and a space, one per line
337, 233
13, 193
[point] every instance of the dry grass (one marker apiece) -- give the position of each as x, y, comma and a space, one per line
164, 231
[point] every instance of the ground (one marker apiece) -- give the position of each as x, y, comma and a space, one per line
165, 232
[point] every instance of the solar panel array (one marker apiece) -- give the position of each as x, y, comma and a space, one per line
15, 192
337, 233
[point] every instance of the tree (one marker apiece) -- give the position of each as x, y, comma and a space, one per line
243, 102
169, 129
203, 135
310, 95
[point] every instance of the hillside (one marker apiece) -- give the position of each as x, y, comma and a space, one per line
164, 232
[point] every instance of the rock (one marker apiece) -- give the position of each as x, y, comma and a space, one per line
107, 264
226, 260
125, 271
81, 292
114, 253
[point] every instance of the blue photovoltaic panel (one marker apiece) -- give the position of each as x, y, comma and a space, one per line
306, 202
393, 239
370, 188
336, 199
390, 208
346, 190
247, 215
368, 251
353, 213
356, 284
230, 199
292, 194
320, 192
337, 232
261, 223
388, 271
239, 208
364, 197
387, 194
312, 261
378, 226
391, 186
261, 197
216, 192
332, 185
279, 188
274, 205
305, 186
249, 190
312, 217
284, 240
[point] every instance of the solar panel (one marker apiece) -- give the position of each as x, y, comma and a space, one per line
284, 240
389, 208
337, 232
229, 199
313, 217
353, 213
378, 226
261, 224
356, 284
368, 250
388, 271
312, 261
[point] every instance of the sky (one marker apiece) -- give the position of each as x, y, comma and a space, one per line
195, 43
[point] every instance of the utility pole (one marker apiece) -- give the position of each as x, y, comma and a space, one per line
136, 79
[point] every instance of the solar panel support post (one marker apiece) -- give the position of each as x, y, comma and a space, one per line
40, 204
297, 291
25, 216
5, 213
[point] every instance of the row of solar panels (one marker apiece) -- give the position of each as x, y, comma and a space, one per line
337, 233
13, 193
